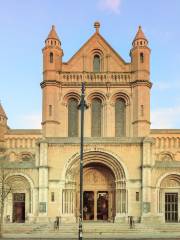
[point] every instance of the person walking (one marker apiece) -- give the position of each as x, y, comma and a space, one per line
56, 223
131, 222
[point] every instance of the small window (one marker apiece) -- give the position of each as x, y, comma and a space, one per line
51, 42
52, 197
140, 42
55, 42
96, 63
142, 110
137, 196
50, 110
51, 57
141, 57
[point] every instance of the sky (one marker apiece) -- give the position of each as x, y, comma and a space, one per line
25, 24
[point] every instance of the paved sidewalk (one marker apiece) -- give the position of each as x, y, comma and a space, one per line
94, 236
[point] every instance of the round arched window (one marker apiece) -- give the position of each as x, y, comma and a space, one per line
96, 63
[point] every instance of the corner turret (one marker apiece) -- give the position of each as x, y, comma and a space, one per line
52, 65
52, 55
140, 56
140, 69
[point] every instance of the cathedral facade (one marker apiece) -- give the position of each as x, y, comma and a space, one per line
128, 168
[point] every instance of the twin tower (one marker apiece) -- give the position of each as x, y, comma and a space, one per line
108, 78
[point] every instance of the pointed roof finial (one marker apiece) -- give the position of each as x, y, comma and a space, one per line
52, 34
140, 34
97, 26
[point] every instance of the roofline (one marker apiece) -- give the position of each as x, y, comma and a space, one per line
96, 33
24, 131
154, 131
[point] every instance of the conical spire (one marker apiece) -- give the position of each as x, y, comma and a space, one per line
140, 35
53, 34
2, 112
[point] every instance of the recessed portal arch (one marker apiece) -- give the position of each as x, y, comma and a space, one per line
104, 186
168, 195
19, 201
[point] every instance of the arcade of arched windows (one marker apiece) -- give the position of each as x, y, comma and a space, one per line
166, 142
97, 113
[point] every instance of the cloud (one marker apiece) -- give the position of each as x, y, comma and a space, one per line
166, 118
112, 6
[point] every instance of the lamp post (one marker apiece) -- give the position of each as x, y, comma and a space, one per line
81, 107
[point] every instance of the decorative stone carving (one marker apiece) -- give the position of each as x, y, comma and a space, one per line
98, 177
167, 157
25, 156
170, 183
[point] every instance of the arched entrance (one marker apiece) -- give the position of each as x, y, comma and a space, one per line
169, 198
18, 203
104, 187
98, 192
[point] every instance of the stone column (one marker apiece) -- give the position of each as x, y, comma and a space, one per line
33, 205
146, 179
95, 205
37, 154
121, 201
43, 182
35, 202
68, 204
104, 120
61, 186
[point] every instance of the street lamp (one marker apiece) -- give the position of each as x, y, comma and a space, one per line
82, 106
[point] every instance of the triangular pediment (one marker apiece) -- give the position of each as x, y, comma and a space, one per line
83, 58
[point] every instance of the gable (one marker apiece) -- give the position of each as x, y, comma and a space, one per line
82, 60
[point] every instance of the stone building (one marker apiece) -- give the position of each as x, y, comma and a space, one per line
129, 169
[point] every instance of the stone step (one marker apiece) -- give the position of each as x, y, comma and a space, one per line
90, 228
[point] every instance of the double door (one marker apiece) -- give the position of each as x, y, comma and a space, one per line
96, 205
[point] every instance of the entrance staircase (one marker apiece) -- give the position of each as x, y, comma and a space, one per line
92, 230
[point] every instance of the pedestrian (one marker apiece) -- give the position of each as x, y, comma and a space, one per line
131, 222
56, 223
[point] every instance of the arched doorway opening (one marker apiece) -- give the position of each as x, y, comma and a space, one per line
98, 192
169, 198
104, 188
18, 204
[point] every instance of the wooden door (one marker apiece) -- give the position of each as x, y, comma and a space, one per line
19, 207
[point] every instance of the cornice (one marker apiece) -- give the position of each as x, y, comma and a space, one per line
50, 83
145, 121
50, 121
141, 83
93, 140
